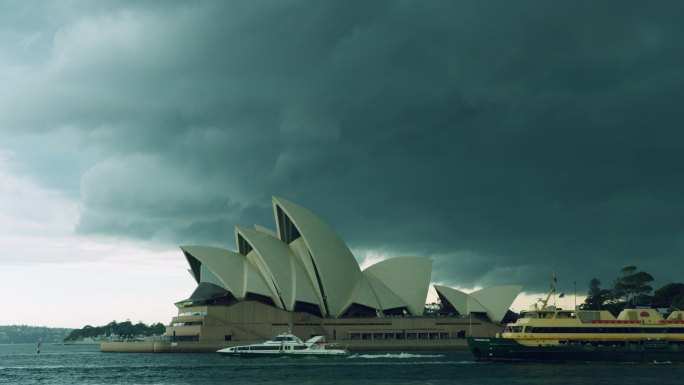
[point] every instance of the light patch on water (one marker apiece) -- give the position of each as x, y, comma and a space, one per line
395, 355
661, 362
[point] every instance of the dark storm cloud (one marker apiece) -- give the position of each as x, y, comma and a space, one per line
500, 139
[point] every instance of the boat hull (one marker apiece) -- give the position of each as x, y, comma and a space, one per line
283, 354
285, 345
505, 349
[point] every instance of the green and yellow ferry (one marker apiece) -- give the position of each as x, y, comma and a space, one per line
549, 334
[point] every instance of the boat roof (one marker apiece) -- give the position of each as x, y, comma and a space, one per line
650, 314
284, 337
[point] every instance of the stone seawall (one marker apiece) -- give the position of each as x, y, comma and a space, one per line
211, 346
161, 347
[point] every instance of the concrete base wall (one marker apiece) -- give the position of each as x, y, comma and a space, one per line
210, 328
249, 320
160, 347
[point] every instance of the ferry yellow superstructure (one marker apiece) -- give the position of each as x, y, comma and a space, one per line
554, 327
545, 333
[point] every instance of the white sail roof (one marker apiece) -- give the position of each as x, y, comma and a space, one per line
334, 264
387, 299
266, 230
306, 261
497, 299
407, 277
272, 258
494, 301
365, 295
226, 265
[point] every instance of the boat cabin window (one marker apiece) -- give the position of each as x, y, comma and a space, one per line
550, 314
266, 347
539, 314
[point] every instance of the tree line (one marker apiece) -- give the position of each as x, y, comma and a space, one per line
632, 288
19, 334
124, 330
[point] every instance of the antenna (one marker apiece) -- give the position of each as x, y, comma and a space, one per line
544, 302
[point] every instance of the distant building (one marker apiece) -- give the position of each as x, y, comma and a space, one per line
304, 277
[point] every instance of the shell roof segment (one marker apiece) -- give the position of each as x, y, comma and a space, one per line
407, 277
227, 266
497, 299
494, 301
334, 264
385, 297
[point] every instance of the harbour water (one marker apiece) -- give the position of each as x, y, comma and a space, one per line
84, 364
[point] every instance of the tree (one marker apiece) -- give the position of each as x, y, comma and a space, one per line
596, 297
632, 285
124, 329
157, 329
670, 296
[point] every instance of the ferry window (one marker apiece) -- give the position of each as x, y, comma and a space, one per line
588, 316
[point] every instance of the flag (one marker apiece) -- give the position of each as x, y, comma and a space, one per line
561, 295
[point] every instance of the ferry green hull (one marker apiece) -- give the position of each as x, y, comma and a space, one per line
505, 349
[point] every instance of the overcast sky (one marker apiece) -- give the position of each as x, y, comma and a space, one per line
501, 139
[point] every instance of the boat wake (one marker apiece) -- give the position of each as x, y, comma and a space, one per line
395, 355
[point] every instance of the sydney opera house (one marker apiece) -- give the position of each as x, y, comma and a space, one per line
302, 276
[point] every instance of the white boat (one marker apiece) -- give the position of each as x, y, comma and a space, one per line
286, 344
